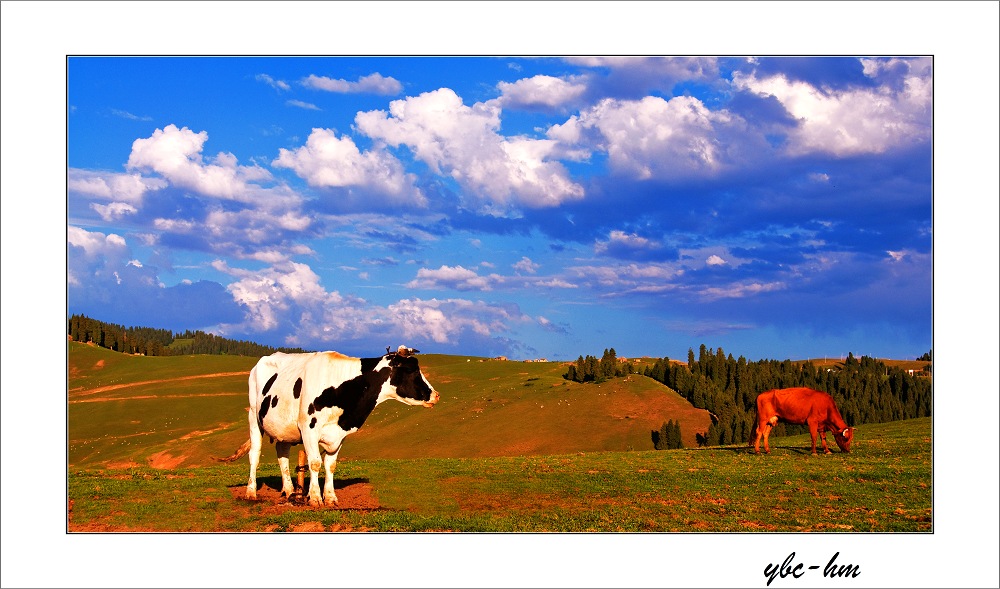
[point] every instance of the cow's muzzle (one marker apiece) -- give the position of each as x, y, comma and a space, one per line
435, 397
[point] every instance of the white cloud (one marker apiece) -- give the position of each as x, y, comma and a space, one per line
668, 69
740, 290
443, 321
276, 84
540, 91
302, 104
175, 154
463, 142
526, 266
619, 241
270, 293
95, 244
715, 260
453, 277
291, 297
326, 161
113, 211
371, 84
93, 256
121, 188
656, 138
127, 115
852, 121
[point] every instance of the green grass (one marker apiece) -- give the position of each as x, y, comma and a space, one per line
883, 486
488, 408
512, 447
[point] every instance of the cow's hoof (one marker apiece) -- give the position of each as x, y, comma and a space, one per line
331, 502
315, 502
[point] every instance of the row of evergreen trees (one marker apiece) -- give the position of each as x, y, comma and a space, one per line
150, 341
590, 369
668, 437
865, 390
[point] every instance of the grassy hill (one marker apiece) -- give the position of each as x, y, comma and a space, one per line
180, 411
883, 485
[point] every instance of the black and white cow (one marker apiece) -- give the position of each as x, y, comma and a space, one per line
318, 399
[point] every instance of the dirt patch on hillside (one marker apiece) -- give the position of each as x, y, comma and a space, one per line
113, 387
352, 494
165, 460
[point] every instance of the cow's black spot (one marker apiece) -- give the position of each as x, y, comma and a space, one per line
312, 423
297, 388
369, 364
274, 401
312, 409
262, 412
357, 397
269, 383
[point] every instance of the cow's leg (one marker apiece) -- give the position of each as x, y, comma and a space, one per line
760, 432
329, 464
822, 439
256, 440
768, 426
282, 448
813, 429
315, 461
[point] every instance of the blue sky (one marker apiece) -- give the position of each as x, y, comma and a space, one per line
529, 207
800, 223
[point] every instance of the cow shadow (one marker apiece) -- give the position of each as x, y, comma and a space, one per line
749, 449
274, 482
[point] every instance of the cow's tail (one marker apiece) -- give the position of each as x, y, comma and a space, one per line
240, 452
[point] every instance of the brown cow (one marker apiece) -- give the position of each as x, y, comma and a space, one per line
801, 406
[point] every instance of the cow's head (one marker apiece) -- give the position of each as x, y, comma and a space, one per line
410, 384
844, 438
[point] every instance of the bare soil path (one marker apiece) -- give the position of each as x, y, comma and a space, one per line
79, 392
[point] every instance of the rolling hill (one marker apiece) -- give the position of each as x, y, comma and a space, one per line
180, 411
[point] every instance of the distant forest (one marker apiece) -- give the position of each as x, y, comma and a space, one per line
149, 341
865, 390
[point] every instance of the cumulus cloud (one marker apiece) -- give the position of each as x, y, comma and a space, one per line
632, 76
270, 293
631, 246
715, 260
290, 297
105, 280
850, 121
443, 321
540, 92
463, 142
371, 84
121, 188
175, 154
113, 211
455, 278
653, 138
526, 266
326, 161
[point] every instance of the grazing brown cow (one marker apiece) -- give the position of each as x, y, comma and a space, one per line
801, 406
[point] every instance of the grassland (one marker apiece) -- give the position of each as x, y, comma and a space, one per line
182, 411
883, 486
512, 447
